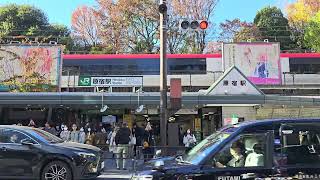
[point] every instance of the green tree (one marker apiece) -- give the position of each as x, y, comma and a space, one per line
312, 33
16, 20
274, 26
30, 23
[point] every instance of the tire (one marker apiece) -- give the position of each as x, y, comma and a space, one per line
56, 170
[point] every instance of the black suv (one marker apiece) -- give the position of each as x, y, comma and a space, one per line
31, 153
264, 149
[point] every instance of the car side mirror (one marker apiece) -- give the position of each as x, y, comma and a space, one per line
27, 142
159, 165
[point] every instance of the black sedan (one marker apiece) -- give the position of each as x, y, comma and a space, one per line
30, 153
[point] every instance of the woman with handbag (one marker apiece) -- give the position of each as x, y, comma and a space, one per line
149, 143
189, 140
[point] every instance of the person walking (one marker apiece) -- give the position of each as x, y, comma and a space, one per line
149, 142
138, 134
112, 141
189, 140
122, 140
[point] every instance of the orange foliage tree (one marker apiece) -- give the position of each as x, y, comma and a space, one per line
84, 25
300, 13
133, 26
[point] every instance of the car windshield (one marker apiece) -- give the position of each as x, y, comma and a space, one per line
45, 136
201, 150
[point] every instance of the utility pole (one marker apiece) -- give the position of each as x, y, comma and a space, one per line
163, 72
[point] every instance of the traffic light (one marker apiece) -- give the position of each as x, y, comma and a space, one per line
194, 25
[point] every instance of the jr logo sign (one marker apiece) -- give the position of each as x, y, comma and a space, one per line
84, 81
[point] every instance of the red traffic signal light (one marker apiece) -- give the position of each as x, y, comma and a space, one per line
204, 25
193, 25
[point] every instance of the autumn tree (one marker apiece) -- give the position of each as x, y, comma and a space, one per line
177, 40
84, 26
143, 27
300, 13
312, 33
248, 31
197, 10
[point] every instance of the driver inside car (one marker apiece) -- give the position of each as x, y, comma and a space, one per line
14, 138
237, 151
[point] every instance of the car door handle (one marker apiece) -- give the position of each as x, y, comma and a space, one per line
3, 149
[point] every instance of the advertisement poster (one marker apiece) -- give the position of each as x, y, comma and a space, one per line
30, 68
260, 62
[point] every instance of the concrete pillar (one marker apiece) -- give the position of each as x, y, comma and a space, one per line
49, 114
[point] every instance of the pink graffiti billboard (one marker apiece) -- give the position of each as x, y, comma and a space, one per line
32, 65
260, 62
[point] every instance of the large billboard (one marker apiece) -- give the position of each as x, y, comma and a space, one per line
30, 68
260, 62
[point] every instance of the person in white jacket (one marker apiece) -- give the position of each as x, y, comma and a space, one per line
189, 140
82, 136
112, 143
65, 134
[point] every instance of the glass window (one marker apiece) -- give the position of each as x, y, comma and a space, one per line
204, 148
246, 151
300, 145
136, 66
12, 136
45, 136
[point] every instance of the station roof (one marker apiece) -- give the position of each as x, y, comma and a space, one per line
149, 99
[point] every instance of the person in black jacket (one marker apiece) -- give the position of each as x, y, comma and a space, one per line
138, 133
122, 140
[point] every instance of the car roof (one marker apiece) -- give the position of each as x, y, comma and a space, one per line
271, 121
16, 127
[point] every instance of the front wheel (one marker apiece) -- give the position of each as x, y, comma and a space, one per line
56, 170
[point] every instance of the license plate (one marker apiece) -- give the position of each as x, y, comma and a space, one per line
102, 165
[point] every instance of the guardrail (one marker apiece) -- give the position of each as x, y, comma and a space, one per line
136, 156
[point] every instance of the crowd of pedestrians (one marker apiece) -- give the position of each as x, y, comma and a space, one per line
119, 140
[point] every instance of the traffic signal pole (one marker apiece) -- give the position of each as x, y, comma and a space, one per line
163, 73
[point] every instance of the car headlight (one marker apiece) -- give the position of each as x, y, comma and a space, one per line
142, 177
86, 156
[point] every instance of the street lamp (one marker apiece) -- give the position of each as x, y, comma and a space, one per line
140, 107
103, 107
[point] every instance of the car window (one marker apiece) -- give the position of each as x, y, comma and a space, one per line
299, 145
44, 136
248, 150
12, 136
201, 150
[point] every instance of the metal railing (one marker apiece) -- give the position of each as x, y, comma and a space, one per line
136, 156
293, 78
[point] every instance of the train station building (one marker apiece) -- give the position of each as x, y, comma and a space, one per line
214, 91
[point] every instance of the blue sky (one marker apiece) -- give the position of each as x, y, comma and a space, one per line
59, 11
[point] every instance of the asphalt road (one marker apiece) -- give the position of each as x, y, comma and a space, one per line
114, 177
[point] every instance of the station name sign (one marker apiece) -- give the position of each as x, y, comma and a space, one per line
115, 81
